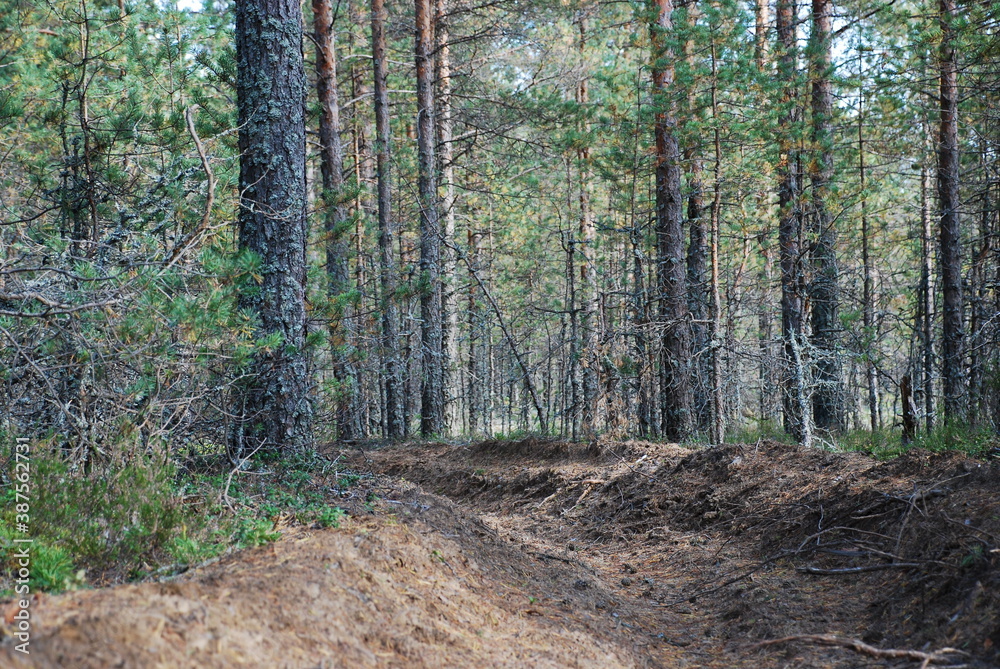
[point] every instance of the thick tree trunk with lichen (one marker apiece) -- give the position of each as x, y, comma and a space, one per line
790, 224
272, 398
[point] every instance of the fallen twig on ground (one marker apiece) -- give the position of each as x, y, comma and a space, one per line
926, 659
857, 570
736, 579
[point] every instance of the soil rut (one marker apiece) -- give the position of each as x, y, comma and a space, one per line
542, 553
712, 551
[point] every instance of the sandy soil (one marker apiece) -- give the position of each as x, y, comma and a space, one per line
540, 553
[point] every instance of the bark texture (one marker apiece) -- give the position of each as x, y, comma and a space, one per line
589, 312
394, 420
272, 403
432, 353
789, 222
953, 329
675, 373
446, 169
698, 297
828, 396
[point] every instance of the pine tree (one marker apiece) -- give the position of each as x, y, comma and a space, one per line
272, 405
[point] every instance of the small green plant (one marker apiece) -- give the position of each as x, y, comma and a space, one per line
330, 516
347, 479
973, 556
51, 568
120, 519
189, 550
147, 516
252, 532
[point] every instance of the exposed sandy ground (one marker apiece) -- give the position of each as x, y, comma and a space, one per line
540, 553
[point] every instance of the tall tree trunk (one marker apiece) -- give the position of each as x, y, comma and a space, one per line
765, 347
446, 159
868, 296
761, 19
953, 333
978, 314
927, 298
392, 366
675, 371
697, 253
589, 317
828, 396
718, 425
432, 353
790, 221
769, 388
336, 220
906, 399
363, 207
478, 375
272, 402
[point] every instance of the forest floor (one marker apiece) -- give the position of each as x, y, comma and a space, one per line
542, 553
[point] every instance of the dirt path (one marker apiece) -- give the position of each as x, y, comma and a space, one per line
547, 554
703, 551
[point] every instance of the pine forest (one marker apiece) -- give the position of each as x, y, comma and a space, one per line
264, 264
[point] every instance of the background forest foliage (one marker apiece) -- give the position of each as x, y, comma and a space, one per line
124, 343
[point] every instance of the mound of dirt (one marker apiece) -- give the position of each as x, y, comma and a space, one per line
417, 585
537, 449
749, 542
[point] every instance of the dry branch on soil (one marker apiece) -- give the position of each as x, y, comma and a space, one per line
939, 657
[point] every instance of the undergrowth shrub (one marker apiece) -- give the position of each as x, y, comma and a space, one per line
766, 430
122, 518
150, 517
885, 444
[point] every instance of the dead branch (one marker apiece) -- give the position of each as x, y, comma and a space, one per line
206, 218
857, 570
750, 571
589, 483
926, 659
632, 466
528, 378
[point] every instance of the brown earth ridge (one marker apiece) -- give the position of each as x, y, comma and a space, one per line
544, 553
